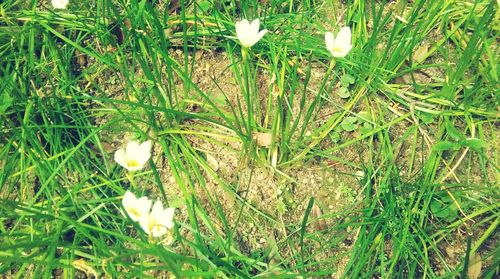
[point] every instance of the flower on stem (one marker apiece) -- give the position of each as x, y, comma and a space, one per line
134, 156
137, 208
341, 45
60, 4
158, 221
248, 33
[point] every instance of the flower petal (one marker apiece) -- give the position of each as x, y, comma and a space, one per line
329, 40
121, 157
145, 153
158, 230
132, 148
347, 50
341, 45
344, 37
143, 205
137, 208
242, 29
144, 222
60, 4
248, 33
157, 209
155, 225
260, 35
146, 146
168, 218
254, 26
128, 199
244, 23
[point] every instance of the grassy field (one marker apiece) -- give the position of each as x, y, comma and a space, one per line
281, 160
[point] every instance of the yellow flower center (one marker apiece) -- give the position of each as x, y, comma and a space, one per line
154, 227
132, 163
135, 212
337, 49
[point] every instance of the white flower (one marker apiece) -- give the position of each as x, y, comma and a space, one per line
248, 33
341, 45
137, 208
158, 221
134, 156
60, 4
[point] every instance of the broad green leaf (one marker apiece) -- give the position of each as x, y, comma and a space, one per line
366, 128
427, 118
204, 6
453, 132
439, 209
348, 125
364, 116
335, 136
475, 144
351, 119
347, 80
344, 93
446, 145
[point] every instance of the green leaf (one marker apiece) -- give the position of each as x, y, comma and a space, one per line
439, 209
335, 136
281, 206
446, 145
204, 5
351, 119
176, 202
366, 128
364, 116
452, 215
347, 80
475, 144
445, 198
436, 205
453, 132
348, 125
344, 93
427, 118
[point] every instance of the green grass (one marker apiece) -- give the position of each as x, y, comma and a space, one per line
428, 149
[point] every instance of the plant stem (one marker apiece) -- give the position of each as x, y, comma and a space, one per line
247, 93
130, 177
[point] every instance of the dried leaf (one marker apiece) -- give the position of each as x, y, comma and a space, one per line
110, 48
82, 265
127, 24
421, 53
263, 139
401, 19
319, 224
80, 59
475, 264
108, 147
168, 32
212, 162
